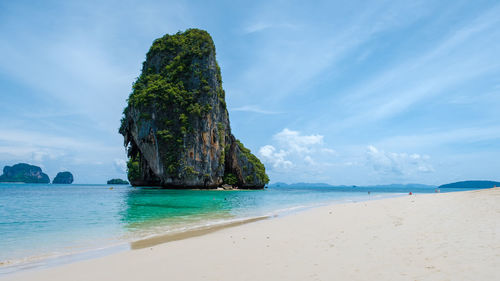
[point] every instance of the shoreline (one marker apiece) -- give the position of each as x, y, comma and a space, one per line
34, 263
10, 268
176, 236
293, 233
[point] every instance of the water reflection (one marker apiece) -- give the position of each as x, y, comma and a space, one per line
151, 210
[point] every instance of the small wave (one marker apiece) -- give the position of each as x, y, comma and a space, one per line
192, 232
58, 258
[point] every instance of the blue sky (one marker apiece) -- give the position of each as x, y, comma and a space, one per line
345, 93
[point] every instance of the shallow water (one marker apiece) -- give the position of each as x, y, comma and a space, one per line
39, 221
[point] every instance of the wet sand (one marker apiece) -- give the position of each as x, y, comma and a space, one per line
160, 239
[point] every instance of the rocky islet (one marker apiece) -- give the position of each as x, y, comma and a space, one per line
176, 125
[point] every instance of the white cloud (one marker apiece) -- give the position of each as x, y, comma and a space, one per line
120, 165
261, 26
294, 151
309, 160
44, 148
329, 150
397, 163
294, 142
277, 159
45, 145
253, 108
257, 26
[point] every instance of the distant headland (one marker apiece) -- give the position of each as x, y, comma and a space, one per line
471, 184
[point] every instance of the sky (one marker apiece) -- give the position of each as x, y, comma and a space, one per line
340, 92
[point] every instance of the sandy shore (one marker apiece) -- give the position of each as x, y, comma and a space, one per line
447, 236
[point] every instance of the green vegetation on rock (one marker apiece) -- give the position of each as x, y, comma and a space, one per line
63, 178
173, 82
230, 179
176, 124
117, 181
23, 172
133, 170
259, 168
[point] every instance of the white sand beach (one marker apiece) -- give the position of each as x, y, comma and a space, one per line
446, 236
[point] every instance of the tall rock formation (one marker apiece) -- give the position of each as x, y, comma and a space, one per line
176, 125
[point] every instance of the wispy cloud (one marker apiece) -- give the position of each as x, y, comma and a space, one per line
461, 57
398, 164
120, 165
82, 60
261, 26
28, 138
287, 60
67, 70
254, 109
82, 71
409, 78
442, 138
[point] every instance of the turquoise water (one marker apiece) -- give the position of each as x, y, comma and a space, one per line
39, 221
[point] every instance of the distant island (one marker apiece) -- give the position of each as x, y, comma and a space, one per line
471, 184
117, 181
63, 178
24, 173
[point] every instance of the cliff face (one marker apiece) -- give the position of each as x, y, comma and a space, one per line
24, 173
176, 125
63, 178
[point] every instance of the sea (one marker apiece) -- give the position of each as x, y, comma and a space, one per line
44, 224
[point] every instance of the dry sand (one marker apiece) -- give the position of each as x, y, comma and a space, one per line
447, 236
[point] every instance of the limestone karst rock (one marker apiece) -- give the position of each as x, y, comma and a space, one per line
23, 172
176, 125
63, 178
117, 181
